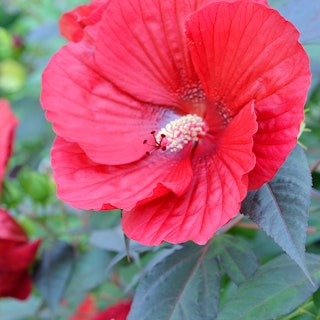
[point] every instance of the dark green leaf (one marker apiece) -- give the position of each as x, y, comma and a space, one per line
54, 271
236, 257
183, 286
277, 288
281, 206
316, 298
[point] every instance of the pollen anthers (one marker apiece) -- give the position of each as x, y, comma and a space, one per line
177, 133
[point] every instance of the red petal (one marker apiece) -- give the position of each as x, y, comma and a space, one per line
88, 185
73, 23
142, 49
118, 311
243, 51
15, 284
86, 310
8, 123
10, 229
15, 280
108, 125
18, 258
214, 197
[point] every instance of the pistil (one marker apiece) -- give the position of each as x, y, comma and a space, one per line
178, 133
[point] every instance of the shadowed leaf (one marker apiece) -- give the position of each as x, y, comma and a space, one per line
281, 206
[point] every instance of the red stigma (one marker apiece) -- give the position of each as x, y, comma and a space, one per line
156, 145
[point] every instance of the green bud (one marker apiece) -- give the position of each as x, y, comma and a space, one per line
36, 185
6, 44
11, 194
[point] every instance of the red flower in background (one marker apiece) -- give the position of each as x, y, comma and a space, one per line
118, 311
16, 255
87, 310
173, 110
8, 123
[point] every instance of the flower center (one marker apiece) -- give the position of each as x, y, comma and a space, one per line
177, 133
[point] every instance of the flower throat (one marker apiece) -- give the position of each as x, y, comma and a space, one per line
177, 133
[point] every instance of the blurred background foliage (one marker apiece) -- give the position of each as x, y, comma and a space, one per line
85, 246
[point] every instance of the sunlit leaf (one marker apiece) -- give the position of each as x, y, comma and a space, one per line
277, 288
280, 207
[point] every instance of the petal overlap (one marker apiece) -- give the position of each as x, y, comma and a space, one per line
214, 197
108, 124
89, 185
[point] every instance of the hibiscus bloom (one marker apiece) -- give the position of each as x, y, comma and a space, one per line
16, 255
173, 110
8, 123
73, 23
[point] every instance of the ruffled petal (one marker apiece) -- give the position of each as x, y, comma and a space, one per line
214, 197
10, 230
89, 185
72, 24
85, 108
8, 123
243, 51
142, 49
275, 139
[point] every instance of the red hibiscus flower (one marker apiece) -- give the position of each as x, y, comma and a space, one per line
8, 123
173, 110
16, 255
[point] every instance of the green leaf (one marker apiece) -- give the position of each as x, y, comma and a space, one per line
281, 206
114, 240
12, 309
54, 271
236, 257
89, 272
277, 288
316, 298
185, 285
